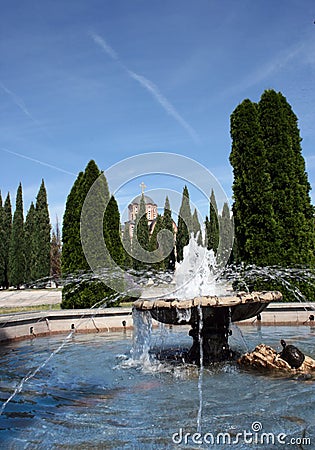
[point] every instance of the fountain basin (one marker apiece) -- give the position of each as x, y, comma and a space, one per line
183, 312
210, 318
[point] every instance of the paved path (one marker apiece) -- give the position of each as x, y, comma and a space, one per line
29, 297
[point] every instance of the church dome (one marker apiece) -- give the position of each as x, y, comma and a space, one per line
147, 200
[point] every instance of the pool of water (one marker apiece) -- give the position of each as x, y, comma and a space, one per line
91, 395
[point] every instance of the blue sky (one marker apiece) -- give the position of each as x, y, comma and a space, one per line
111, 79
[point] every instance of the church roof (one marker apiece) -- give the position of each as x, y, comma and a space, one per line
147, 199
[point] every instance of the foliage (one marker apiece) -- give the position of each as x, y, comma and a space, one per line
82, 293
113, 233
41, 262
29, 243
226, 234
140, 241
128, 262
6, 239
212, 228
274, 218
16, 251
196, 227
184, 226
155, 246
169, 262
55, 254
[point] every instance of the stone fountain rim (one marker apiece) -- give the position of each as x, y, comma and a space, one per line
208, 301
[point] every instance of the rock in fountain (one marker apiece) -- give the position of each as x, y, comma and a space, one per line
266, 358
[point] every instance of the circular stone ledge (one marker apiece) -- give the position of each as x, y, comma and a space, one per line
212, 301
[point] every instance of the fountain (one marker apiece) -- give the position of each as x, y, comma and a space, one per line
209, 316
93, 395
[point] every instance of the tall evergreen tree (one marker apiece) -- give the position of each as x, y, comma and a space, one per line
255, 227
154, 244
140, 241
290, 201
41, 267
274, 223
89, 290
196, 227
212, 230
7, 230
128, 261
72, 256
55, 254
29, 243
226, 234
2, 250
184, 227
168, 225
16, 252
113, 232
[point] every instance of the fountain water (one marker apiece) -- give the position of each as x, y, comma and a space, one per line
89, 393
205, 303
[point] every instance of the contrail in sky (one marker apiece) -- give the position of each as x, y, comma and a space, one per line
148, 85
18, 101
37, 161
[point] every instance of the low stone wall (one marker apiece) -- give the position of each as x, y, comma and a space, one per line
29, 325
284, 314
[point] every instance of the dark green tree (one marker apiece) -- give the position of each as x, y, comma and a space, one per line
226, 235
16, 251
290, 200
6, 239
274, 218
140, 241
113, 232
212, 229
168, 225
41, 266
128, 261
89, 290
255, 226
154, 244
72, 259
2, 250
29, 243
196, 227
184, 227
55, 254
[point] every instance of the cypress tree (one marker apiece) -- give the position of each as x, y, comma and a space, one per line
184, 227
212, 230
29, 235
128, 262
7, 230
168, 225
291, 201
16, 251
226, 234
55, 254
2, 251
89, 290
196, 227
255, 226
41, 268
113, 233
72, 257
154, 245
140, 241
